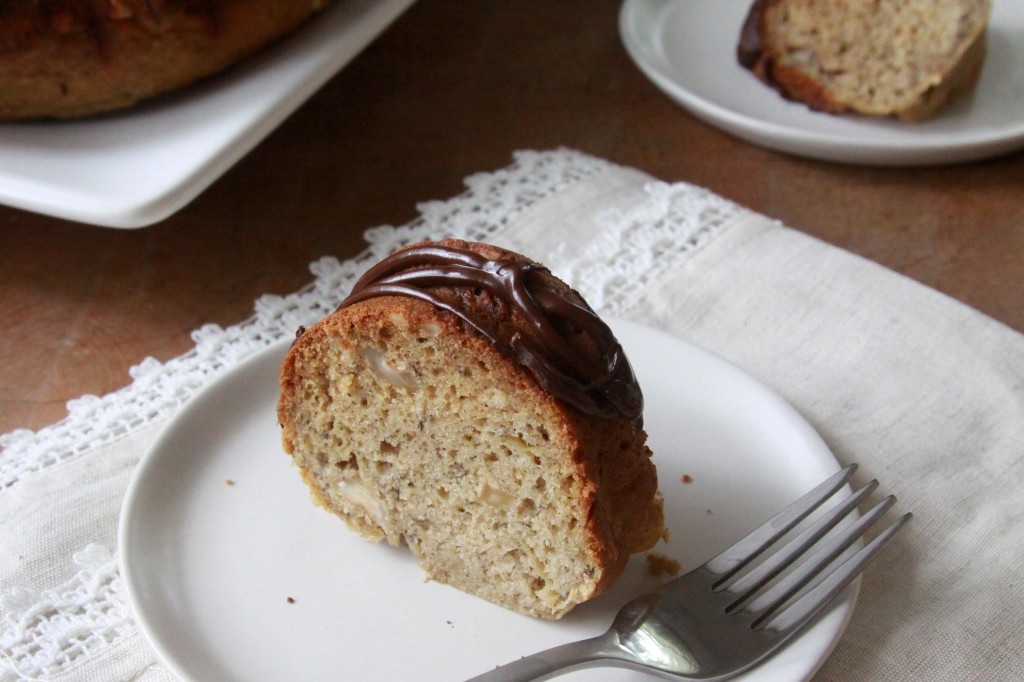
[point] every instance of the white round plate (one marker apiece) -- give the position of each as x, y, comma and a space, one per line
134, 168
210, 566
688, 49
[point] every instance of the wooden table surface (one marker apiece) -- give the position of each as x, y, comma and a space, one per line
454, 87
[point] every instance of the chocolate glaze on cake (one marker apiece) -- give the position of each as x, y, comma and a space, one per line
748, 50
525, 312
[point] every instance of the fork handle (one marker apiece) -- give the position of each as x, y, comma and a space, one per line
587, 653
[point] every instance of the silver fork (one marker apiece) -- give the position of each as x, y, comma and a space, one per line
717, 621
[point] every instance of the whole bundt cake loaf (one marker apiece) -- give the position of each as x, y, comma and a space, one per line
70, 58
902, 58
468, 403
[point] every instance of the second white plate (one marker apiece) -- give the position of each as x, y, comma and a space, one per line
688, 49
210, 567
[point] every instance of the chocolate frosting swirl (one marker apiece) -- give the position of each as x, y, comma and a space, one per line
554, 334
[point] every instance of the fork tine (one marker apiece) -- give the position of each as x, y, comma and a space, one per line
726, 564
768, 603
782, 558
822, 594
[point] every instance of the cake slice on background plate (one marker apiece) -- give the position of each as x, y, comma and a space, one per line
900, 58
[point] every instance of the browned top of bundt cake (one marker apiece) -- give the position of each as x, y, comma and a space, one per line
27, 22
67, 58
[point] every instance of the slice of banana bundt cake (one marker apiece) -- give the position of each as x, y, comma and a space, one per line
465, 401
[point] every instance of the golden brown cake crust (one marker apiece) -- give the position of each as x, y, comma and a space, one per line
71, 58
406, 423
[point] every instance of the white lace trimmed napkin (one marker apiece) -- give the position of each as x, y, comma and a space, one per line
927, 394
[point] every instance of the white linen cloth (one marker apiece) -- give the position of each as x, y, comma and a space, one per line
925, 393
